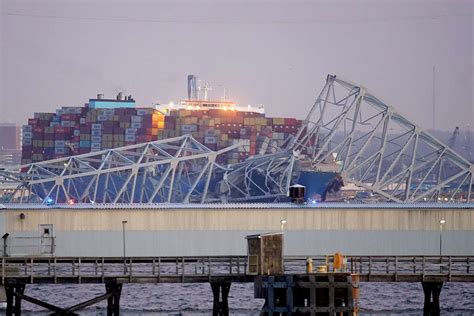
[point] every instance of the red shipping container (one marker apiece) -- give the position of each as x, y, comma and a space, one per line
70, 117
143, 138
33, 121
140, 131
110, 124
48, 136
290, 121
170, 125
61, 136
108, 130
63, 130
85, 129
170, 119
119, 131
43, 123
212, 146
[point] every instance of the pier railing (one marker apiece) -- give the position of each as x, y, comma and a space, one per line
396, 268
126, 270
228, 268
36, 246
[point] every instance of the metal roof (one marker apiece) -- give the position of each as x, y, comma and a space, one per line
243, 206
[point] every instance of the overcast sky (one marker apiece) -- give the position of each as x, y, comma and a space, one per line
275, 53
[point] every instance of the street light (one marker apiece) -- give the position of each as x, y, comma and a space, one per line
123, 235
441, 223
282, 222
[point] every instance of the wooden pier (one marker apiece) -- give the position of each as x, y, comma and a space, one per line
219, 271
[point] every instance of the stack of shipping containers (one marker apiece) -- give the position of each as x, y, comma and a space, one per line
79, 130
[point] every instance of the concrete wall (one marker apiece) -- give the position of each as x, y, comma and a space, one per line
160, 232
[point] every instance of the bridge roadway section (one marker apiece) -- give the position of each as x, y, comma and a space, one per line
219, 229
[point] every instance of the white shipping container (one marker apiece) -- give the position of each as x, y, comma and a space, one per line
96, 126
135, 125
96, 139
130, 131
210, 132
188, 128
144, 111
72, 110
210, 140
136, 119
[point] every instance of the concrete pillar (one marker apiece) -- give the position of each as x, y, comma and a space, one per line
431, 305
13, 301
220, 291
113, 302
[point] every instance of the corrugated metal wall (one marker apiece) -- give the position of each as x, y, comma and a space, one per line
221, 232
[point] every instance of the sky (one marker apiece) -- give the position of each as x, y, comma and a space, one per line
274, 53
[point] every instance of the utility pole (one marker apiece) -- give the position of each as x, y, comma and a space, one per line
124, 253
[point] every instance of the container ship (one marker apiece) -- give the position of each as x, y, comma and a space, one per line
110, 123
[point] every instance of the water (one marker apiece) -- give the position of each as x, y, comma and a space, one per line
196, 299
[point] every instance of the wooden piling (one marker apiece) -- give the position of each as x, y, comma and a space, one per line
306, 294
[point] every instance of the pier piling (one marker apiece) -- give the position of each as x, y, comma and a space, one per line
113, 301
220, 290
431, 290
13, 299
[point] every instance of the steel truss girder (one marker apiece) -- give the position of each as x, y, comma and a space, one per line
379, 149
160, 171
266, 177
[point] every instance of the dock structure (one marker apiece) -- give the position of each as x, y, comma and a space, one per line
222, 271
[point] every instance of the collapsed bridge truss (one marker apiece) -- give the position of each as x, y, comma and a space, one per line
174, 170
374, 146
379, 149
